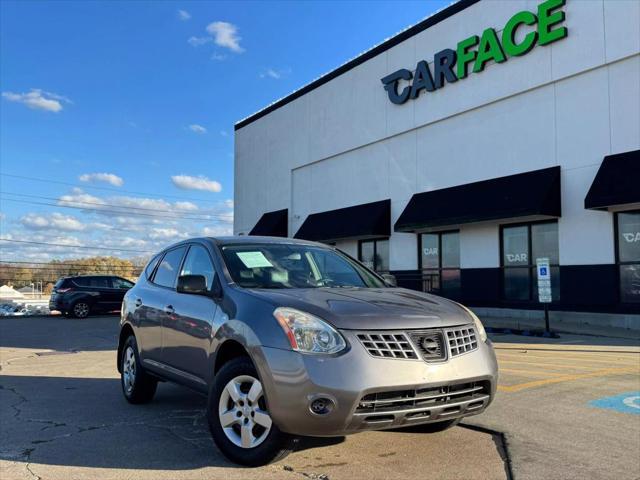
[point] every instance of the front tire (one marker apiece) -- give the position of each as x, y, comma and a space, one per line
239, 418
137, 385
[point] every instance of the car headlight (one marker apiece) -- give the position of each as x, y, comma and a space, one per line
307, 333
479, 327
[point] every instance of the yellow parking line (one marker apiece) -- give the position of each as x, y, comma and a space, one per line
568, 349
582, 358
531, 372
566, 378
547, 365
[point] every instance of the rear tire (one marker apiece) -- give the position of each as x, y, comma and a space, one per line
248, 436
80, 309
137, 385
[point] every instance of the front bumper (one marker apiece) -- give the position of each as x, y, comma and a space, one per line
355, 381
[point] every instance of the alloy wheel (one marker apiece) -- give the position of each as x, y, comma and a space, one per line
243, 412
129, 370
81, 310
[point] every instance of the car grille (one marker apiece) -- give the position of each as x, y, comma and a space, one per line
461, 340
388, 345
433, 345
430, 344
422, 399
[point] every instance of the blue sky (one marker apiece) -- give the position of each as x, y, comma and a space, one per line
125, 110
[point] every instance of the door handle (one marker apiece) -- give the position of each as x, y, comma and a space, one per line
138, 302
169, 310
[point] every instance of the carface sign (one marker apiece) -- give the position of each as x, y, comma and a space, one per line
631, 237
452, 65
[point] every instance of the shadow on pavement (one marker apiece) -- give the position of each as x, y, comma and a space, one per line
49, 333
85, 422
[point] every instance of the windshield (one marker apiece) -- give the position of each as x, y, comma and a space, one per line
281, 265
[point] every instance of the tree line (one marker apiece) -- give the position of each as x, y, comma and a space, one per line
20, 274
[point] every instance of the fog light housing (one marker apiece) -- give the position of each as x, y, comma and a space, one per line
321, 406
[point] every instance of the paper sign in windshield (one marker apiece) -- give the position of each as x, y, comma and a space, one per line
254, 259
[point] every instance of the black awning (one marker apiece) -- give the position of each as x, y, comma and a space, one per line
617, 182
272, 224
360, 221
521, 195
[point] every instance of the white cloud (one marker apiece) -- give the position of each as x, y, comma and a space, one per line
224, 133
110, 178
217, 231
218, 56
167, 234
186, 206
184, 15
34, 221
56, 221
124, 242
187, 182
111, 221
198, 41
199, 129
226, 218
225, 35
275, 74
38, 99
78, 198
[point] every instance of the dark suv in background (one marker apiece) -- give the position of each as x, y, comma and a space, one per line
82, 295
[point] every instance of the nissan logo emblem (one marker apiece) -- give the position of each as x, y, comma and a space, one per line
430, 345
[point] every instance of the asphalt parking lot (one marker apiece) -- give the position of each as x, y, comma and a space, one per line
63, 416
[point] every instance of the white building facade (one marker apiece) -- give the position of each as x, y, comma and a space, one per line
457, 155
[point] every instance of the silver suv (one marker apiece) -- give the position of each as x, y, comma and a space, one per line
290, 338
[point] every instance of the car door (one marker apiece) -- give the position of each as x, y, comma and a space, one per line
101, 292
146, 317
152, 299
188, 330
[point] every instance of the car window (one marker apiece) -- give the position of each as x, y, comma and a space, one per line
151, 266
82, 281
96, 282
335, 268
198, 262
100, 282
167, 271
121, 283
294, 266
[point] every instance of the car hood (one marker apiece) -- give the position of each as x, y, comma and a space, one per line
370, 308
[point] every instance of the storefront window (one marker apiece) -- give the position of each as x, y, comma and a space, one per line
522, 245
440, 263
628, 248
375, 254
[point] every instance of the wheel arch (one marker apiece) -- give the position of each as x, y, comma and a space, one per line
125, 332
229, 350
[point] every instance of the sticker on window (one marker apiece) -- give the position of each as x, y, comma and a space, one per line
254, 259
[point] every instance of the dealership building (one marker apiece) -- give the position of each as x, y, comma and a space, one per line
464, 153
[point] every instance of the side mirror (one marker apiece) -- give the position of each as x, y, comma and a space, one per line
193, 284
390, 279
